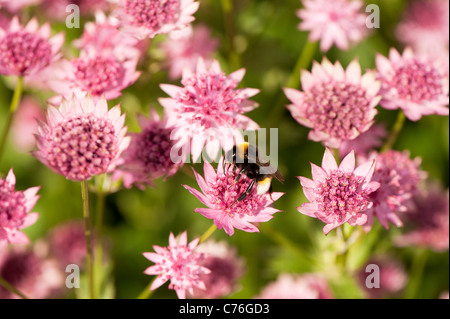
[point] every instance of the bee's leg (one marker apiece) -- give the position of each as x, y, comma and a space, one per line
270, 191
247, 191
238, 177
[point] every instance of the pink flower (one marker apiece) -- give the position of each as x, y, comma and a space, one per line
340, 22
56, 9
179, 263
208, 109
226, 269
25, 124
338, 195
81, 139
17, 5
399, 177
365, 142
184, 51
31, 274
147, 18
103, 36
416, 85
295, 286
148, 155
15, 207
67, 243
27, 50
427, 220
93, 73
220, 194
425, 27
393, 277
337, 104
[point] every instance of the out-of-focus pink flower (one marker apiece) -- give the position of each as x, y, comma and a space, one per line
92, 73
67, 243
295, 286
56, 9
15, 211
147, 18
184, 51
399, 177
220, 194
81, 139
226, 269
179, 263
104, 37
148, 155
427, 220
339, 22
25, 124
339, 195
366, 142
336, 104
393, 278
414, 84
16, 5
209, 109
25, 51
425, 27
35, 277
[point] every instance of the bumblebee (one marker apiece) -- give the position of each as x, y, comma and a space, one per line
245, 157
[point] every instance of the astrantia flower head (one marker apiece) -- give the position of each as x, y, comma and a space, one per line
67, 243
339, 195
336, 104
147, 18
293, 286
15, 211
56, 9
414, 84
427, 220
81, 139
220, 194
148, 155
178, 263
208, 109
184, 51
399, 177
93, 73
339, 22
226, 269
25, 51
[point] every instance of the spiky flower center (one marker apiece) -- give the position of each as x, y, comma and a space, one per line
416, 81
12, 206
99, 74
153, 14
341, 196
337, 109
209, 98
82, 147
21, 51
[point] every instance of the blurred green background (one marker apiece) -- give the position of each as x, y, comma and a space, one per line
267, 44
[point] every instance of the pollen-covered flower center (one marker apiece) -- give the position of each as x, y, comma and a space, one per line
98, 74
209, 98
337, 109
22, 51
153, 148
341, 196
82, 147
153, 14
416, 82
12, 206
227, 190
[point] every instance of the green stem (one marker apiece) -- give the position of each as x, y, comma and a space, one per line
208, 233
88, 235
12, 110
415, 274
98, 247
147, 293
396, 129
11, 288
228, 14
303, 62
